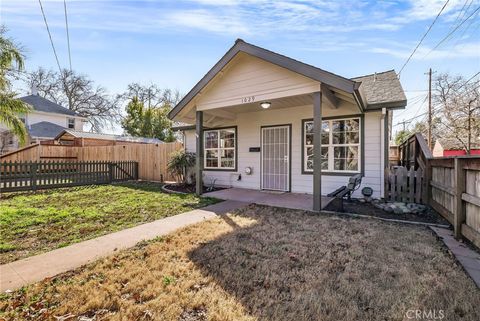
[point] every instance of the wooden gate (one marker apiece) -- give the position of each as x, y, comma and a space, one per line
404, 185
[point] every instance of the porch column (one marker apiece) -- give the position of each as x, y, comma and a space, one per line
199, 149
317, 151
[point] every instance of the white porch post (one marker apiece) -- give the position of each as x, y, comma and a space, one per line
199, 149
317, 151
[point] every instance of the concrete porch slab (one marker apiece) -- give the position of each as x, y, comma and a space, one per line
280, 199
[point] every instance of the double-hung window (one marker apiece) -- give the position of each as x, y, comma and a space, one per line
219, 148
340, 145
71, 123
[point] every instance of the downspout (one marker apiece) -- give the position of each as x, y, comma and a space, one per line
386, 147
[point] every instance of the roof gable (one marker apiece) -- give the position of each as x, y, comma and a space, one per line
39, 103
296, 66
249, 76
372, 92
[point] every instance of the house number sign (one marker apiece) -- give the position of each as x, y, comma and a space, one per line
248, 99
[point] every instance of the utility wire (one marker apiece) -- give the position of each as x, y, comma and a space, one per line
453, 31
423, 37
50, 36
68, 35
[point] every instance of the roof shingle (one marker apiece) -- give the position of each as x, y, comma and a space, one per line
41, 104
45, 129
382, 89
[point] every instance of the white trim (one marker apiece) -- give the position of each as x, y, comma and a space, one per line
219, 149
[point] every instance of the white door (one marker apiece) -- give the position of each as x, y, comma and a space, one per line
276, 158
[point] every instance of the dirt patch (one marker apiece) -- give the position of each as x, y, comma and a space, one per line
357, 207
263, 263
190, 188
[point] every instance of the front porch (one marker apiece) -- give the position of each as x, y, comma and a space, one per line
277, 199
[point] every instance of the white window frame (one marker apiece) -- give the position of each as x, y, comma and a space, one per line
219, 149
331, 146
68, 122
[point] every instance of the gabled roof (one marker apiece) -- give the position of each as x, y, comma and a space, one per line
120, 138
45, 129
39, 103
382, 89
299, 67
363, 88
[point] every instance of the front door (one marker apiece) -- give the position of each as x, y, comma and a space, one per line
276, 158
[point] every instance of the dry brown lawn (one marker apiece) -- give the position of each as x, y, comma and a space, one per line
262, 263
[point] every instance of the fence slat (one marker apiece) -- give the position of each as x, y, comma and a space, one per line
26, 175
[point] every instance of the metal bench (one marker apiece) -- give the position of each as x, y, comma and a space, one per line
354, 183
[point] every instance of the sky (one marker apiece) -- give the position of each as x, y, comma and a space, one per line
174, 43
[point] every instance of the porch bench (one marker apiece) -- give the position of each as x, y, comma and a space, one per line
340, 193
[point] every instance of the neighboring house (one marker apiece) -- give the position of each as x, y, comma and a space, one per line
453, 147
44, 122
79, 138
255, 112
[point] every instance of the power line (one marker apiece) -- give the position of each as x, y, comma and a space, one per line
423, 37
50, 36
68, 35
453, 31
478, 73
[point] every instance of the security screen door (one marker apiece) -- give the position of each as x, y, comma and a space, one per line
276, 158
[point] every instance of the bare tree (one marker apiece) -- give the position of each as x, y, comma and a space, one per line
78, 93
151, 96
458, 102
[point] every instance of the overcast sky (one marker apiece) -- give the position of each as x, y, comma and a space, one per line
174, 43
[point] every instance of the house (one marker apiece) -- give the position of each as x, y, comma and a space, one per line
453, 147
266, 121
46, 120
72, 137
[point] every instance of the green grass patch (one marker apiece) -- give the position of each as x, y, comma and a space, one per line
32, 223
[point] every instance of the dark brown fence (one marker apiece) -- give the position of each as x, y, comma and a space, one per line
21, 176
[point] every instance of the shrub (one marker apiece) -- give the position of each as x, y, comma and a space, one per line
180, 165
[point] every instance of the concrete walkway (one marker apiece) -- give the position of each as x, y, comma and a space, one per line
33, 269
295, 201
468, 258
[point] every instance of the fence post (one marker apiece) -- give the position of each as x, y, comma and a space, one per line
33, 175
459, 209
427, 176
136, 170
110, 172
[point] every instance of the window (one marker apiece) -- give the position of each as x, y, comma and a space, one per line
340, 145
71, 123
219, 148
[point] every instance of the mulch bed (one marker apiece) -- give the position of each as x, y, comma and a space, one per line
190, 188
429, 216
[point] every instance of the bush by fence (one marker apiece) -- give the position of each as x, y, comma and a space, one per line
20, 176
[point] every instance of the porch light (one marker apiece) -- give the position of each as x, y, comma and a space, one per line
265, 104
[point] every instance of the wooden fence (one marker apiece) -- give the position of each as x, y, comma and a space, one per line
404, 185
152, 158
455, 193
20, 176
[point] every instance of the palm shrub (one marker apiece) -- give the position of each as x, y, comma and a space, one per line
180, 165
11, 109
